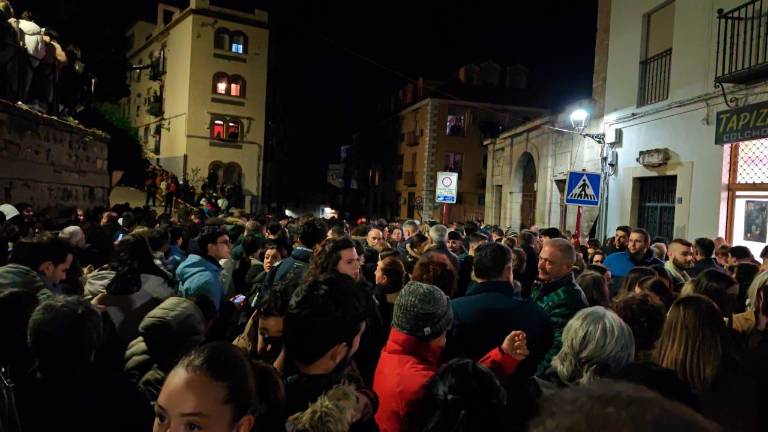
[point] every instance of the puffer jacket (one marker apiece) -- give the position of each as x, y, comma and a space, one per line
405, 366
127, 311
560, 299
171, 330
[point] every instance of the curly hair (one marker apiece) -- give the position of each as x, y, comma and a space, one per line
327, 258
436, 269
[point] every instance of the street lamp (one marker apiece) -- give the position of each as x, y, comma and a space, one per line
579, 119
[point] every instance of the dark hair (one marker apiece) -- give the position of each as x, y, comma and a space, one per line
64, 332
643, 232
274, 302
714, 284
225, 364
626, 229
764, 252
704, 246
645, 315
740, 252
682, 242
519, 259
436, 269
597, 268
454, 235
328, 256
392, 267
338, 230
274, 228
209, 235
593, 243
595, 288
463, 396
490, 260
744, 273
656, 286
723, 250
251, 245
526, 238
477, 237
158, 237
470, 228
132, 258
176, 234
312, 232
418, 240
41, 249
498, 232
324, 312
633, 277
551, 232
659, 239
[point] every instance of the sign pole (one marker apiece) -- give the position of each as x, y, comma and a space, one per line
446, 213
577, 231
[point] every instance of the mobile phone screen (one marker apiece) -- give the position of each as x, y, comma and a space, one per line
238, 299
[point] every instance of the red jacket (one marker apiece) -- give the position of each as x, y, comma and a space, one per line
405, 366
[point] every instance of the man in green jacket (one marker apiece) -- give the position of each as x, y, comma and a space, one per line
557, 292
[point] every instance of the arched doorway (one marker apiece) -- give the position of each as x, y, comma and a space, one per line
233, 173
528, 202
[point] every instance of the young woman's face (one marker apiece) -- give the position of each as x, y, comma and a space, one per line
271, 258
397, 234
194, 402
349, 264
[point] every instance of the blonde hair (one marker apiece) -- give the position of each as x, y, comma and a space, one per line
760, 280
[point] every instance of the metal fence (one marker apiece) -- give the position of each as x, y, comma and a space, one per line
742, 43
654, 78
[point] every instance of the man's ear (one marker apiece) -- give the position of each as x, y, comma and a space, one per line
338, 353
46, 267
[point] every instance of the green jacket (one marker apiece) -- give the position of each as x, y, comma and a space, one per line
561, 300
21, 277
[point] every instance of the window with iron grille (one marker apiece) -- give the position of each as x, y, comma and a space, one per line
656, 205
752, 162
747, 222
656, 63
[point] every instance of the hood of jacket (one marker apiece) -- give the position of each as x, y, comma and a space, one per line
21, 277
196, 265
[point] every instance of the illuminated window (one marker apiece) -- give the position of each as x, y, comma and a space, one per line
220, 83
455, 125
217, 131
237, 86
233, 130
238, 43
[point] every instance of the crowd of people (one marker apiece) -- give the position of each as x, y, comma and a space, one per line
213, 198
126, 320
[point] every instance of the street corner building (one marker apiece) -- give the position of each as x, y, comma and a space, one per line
684, 125
198, 92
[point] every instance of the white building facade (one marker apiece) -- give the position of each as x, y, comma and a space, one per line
664, 115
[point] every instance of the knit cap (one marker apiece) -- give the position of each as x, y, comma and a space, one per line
422, 311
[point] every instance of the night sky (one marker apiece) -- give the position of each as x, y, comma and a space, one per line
325, 89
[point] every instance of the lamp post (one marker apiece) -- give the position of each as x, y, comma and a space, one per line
579, 119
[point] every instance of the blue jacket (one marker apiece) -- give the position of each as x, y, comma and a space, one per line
197, 275
174, 257
620, 263
487, 314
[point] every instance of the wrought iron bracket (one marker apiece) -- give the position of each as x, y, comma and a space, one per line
598, 138
731, 102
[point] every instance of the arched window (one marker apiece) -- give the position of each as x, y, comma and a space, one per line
221, 39
220, 83
239, 42
237, 86
233, 129
218, 130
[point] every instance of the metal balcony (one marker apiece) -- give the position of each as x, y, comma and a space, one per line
654, 78
742, 44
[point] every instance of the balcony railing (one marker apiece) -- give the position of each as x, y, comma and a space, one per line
742, 43
409, 178
654, 78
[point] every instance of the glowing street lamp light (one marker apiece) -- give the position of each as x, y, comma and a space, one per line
579, 120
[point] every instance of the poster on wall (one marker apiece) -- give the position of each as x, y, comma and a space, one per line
755, 221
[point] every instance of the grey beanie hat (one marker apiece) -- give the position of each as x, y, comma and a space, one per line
422, 311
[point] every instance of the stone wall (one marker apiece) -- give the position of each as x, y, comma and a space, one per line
48, 162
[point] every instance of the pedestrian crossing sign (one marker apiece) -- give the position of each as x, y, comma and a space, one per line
583, 189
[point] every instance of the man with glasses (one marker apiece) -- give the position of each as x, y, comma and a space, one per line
201, 274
